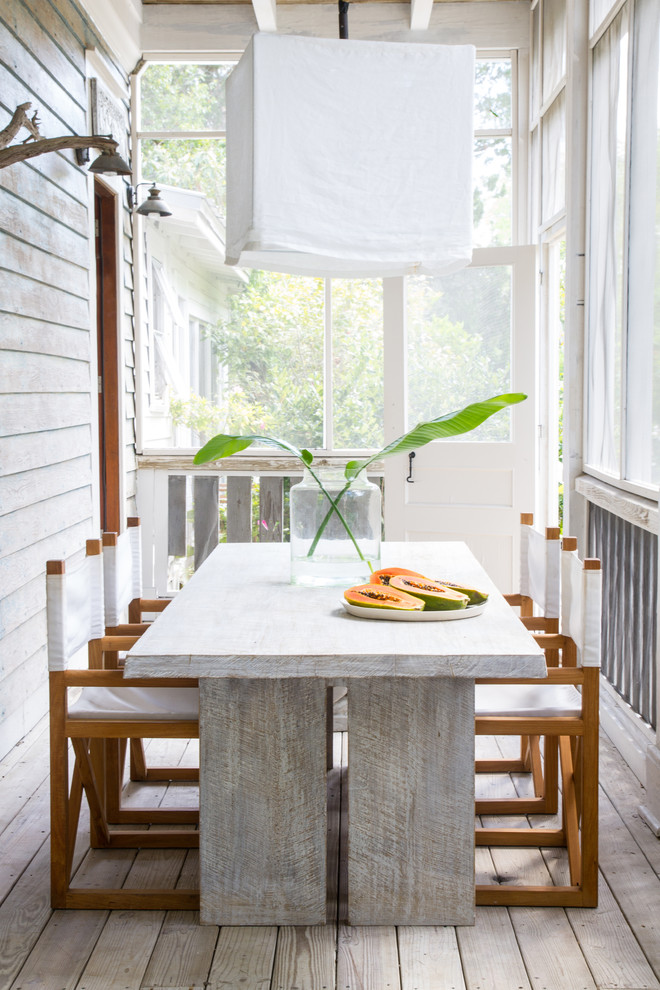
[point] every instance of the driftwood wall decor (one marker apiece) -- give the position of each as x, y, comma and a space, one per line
35, 144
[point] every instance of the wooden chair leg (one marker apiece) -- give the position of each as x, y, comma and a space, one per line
525, 753
59, 796
92, 792
550, 775
569, 810
138, 764
113, 777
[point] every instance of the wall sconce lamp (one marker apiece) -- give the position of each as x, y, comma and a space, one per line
152, 206
108, 162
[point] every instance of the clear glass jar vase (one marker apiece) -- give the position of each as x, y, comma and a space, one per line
334, 545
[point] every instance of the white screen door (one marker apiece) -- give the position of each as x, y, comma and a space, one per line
460, 338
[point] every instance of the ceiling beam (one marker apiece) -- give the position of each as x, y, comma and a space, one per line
266, 14
420, 14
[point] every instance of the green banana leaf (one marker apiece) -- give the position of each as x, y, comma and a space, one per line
449, 425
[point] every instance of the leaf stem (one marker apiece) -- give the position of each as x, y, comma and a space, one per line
333, 508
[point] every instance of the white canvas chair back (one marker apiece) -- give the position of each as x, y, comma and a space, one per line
74, 607
122, 572
539, 568
581, 606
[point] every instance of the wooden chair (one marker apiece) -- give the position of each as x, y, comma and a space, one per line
122, 586
122, 575
566, 707
538, 602
108, 710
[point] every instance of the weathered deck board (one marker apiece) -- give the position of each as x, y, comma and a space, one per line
616, 945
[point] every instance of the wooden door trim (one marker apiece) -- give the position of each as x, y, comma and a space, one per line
108, 357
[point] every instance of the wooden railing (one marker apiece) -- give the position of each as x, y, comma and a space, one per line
187, 510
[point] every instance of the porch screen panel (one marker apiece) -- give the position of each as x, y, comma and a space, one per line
606, 246
357, 363
629, 558
553, 191
554, 46
643, 348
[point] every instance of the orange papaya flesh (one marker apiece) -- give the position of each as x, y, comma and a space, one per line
373, 596
436, 597
476, 597
387, 573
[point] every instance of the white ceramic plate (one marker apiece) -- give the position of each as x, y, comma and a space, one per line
401, 615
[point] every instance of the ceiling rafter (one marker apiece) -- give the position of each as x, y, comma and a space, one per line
266, 13
420, 14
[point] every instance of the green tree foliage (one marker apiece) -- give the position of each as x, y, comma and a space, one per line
272, 347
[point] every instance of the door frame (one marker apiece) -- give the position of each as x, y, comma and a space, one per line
107, 365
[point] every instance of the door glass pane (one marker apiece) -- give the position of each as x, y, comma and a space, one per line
492, 93
492, 192
183, 97
459, 345
606, 238
357, 363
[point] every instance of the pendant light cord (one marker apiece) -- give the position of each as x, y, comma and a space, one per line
343, 19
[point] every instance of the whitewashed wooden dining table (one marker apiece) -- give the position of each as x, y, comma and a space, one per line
265, 652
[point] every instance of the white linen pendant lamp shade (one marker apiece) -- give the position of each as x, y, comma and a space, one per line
350, 158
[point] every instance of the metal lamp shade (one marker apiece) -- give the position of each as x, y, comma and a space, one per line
350, 158
154, 205
110, 163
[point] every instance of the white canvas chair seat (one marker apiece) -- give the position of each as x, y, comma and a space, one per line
544, 700
96, 726
140, 703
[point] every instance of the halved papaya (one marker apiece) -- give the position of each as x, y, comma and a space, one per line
476, 597
373, 596
387, 573
435, 596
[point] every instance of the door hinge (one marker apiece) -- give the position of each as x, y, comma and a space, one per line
100, 385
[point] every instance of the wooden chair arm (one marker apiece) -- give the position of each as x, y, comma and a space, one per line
128, 629
556, 675
115, 678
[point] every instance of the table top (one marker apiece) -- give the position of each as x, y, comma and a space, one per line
239, 616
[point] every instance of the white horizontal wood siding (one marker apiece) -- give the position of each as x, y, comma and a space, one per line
48, 488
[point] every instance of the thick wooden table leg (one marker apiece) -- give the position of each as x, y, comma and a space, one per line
411, 801
263, 817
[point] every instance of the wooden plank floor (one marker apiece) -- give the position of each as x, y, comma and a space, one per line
616, 945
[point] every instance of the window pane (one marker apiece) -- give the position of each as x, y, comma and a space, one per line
357, 363
643, 346
553, 174
554, 45
534, 181
459, 344
492, 93
608, 158
492, 192
188, 164
183, 97
535, 64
